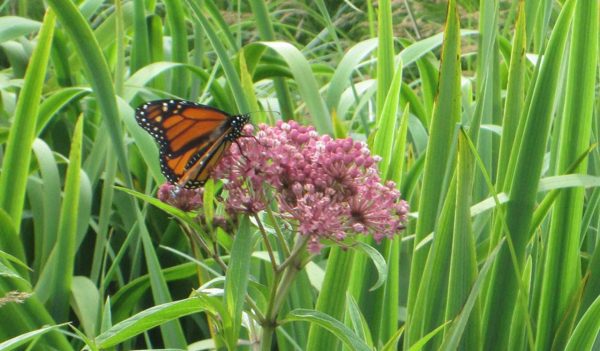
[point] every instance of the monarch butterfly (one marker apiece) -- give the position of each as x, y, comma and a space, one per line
192, 137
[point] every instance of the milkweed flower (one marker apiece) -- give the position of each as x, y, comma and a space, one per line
182, 198
330, 187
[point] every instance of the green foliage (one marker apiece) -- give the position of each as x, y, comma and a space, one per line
485, 115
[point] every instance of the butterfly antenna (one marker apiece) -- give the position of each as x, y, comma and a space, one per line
265, 111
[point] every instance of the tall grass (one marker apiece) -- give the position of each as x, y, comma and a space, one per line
485, 116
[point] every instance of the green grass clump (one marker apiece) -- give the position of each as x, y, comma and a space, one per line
484, 115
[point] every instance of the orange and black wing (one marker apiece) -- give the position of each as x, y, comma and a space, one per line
192, 137
200, 165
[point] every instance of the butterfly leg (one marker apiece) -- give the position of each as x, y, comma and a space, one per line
241, 150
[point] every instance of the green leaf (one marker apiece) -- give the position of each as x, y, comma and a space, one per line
231, 74
337, 328
463, 258
54, 284
12, 27
568, 181
421, 342
9, 273
392, 343
86, 303
586, 331
267, 33
385, 54
151, 318
307, 84
387, 123
9, 238
528, 161
249, 91
344, 70
179, 39
173, 211
442, 130
562, 265
452, 338
51, 198
55, 102
418, 49
9, 257
96, 71
15, 170
140, 46
124, 300
378, 260
397, 160
515, 96
236, 279
337, 278
359, 323
17, 341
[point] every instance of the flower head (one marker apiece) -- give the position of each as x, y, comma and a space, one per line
329, 187
182, 198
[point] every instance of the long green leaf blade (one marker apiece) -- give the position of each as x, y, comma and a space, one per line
236, 280
529, 158
15, 168
445, 116
562, 262
54, 285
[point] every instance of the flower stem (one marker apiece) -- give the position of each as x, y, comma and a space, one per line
286, 249
263, 232
267, 337
197, 245
270, 322
281, 288
294, 255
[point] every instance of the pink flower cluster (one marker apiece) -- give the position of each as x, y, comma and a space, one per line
182, 198
329, 187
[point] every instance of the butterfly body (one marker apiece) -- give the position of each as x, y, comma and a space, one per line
192, 137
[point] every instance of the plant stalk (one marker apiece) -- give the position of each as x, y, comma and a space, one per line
296, 263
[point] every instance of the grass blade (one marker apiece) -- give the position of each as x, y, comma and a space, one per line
236, 280
24, 338
388, 122
150, 318
337, 328
54, 285
586, 331
445, 116
463, 259
96, 71
562, 261
231, 73
337, 277
457, 329
504, 287
385, 54
307, 85
515, 96
140, 46
12, 27
16, 160
179, 50
266, 32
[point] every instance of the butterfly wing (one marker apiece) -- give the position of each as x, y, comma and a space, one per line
192, 138
202, 164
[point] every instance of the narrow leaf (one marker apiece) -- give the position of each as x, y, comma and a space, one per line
334, 326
